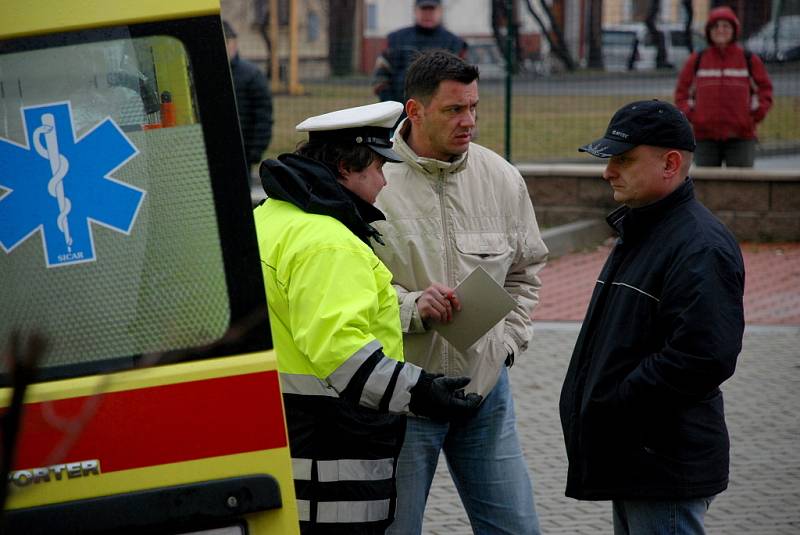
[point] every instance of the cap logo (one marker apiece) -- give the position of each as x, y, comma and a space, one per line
623, 135
599, 150
359, 139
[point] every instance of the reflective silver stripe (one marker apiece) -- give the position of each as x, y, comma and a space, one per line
636, 289
301, 468
739, 73
304, 510
376, 384
354, 469
401, 397
362, 511
306, 385
717, 73
341, 376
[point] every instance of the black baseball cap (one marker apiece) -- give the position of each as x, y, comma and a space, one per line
645, 122
428, 3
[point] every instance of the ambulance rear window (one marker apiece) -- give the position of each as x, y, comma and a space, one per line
109, 239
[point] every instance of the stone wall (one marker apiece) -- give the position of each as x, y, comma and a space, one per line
757, 205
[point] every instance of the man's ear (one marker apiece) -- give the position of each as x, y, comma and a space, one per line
673, 160
415, 110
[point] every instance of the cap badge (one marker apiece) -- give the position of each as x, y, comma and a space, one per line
598, 150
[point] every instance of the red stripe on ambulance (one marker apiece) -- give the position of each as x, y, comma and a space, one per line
157, 425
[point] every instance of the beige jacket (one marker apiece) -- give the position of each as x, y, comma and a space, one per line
443, 219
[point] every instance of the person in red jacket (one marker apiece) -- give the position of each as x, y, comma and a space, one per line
724, 92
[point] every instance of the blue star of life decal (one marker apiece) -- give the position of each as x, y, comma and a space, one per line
58, 184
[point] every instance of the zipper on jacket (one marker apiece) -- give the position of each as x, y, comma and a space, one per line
447, 261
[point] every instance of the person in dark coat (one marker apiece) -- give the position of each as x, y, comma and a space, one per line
641, 408
253, 100
404, 45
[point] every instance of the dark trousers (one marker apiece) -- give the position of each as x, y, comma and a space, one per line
732, 152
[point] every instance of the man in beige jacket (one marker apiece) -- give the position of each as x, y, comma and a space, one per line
452, 206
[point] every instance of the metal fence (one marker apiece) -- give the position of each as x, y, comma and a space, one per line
550, 115
552, 110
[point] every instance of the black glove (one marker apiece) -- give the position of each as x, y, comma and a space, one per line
442, 398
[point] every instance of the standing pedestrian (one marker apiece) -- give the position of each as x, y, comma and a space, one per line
641, 408
253, 101
404, 44
452, 206
336, 327
716, 90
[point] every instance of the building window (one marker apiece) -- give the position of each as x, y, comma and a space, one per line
372, 17
313, 26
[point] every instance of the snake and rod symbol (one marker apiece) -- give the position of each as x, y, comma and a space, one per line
58, 166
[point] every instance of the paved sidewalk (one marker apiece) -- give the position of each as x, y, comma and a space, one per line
772, 285
762, 404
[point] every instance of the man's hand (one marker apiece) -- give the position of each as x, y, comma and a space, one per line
437, 303
442, 398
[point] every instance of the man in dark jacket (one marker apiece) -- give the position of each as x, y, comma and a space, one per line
253, 100
404, 44
641, 408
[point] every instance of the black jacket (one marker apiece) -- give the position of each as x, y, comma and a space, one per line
402, 47
312, 186
640, 408
254, 104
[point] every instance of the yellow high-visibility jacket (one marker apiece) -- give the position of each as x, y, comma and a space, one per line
336, 329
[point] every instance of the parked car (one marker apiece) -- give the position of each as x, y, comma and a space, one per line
783, 45
630, 46
485, 54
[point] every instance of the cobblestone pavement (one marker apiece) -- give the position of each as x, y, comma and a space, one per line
771, 296
762, 407
762, 402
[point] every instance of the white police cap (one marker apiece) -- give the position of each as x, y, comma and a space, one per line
370, 125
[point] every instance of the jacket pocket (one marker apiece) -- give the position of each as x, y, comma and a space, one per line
481, 244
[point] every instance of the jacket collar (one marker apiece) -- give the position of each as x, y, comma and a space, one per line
634, 223
427, 166
312, 187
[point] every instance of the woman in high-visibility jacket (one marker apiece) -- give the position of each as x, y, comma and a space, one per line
336, 326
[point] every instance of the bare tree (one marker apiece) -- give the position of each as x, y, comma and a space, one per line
595, 34
341, 32
656, 36
687, 29
261, 16
552, 33
500, 30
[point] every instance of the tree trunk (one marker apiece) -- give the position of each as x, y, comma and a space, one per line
553, 35
341, 33
595, 34
656, 36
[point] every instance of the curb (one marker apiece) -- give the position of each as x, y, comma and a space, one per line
577, 236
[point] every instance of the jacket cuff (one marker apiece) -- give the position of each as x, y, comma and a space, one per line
511, 347
410, 320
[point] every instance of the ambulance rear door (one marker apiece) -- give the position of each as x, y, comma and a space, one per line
127, 243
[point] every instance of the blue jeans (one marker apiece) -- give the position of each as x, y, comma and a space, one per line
485, 461
654, 517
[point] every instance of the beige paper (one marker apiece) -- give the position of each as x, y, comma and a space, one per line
483, 304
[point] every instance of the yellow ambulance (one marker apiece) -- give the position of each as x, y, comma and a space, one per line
127, 244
